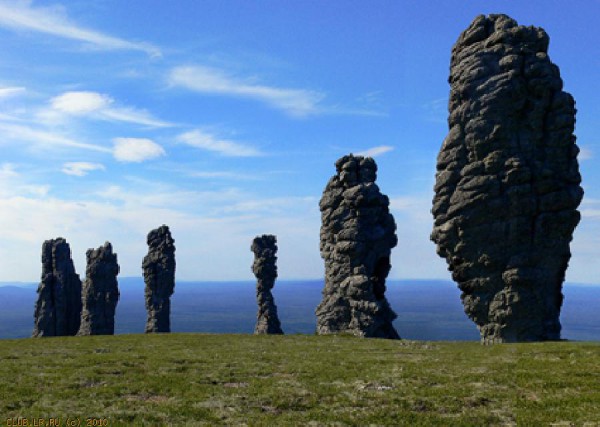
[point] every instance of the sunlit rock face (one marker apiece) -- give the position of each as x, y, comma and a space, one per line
58, 307
159, 275
265, 270
357, 236
100, 293
507, 182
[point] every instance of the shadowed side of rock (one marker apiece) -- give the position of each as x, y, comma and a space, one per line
507, 182
357, 236
265, 270
159, 275
100, 293
58, 307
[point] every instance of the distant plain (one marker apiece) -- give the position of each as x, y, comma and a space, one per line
427, 310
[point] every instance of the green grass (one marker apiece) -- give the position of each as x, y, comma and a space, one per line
198, 379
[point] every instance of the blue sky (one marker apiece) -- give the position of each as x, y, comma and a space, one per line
223, 119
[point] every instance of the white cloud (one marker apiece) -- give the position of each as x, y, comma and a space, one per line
206, 141
375, 151
80, 102
136, 149
20, 15
43, 139
8, 170
81, 168
99, 106
585, 153
6, 92
296, 102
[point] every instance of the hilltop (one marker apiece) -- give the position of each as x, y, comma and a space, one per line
298, 380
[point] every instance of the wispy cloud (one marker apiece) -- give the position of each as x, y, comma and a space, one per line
295, 102
436, 110
99, 106
206, 141
376, 151
585, 153
590, 208
14, 183
43, 138
6, 92
20, 15
8, 170
136, 150
222, 175
81, 168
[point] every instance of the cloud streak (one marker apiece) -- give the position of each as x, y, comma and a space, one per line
295, 102
22, 16
99, 106
206, 141
7, 92
375, 151
81, 168
585, 153
44, 139
136, 150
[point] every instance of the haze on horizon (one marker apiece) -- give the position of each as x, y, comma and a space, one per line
223, 120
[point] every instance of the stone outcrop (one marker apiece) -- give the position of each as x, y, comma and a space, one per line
58, 307
265, 270
507, 181
159, 275
357, 236
100, 293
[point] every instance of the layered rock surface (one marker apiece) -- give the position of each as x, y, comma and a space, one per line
58, 307
265, 270
100, 293
507, 181
159, 275
357, 236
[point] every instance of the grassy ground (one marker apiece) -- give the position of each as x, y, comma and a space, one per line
196, 379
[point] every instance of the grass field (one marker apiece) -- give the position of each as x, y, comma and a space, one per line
198, 379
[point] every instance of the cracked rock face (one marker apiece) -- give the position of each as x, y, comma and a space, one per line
58, 307
507, 182
159, 275
265, 270
357, 235
100, 293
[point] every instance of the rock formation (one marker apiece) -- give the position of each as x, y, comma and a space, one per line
159, 275
265, 270
58, 307
357, 236
507, 181
100, 293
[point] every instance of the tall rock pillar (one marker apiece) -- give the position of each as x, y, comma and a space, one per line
357, 236
507, 182
159, 275
265, 270
58, 307
100, 293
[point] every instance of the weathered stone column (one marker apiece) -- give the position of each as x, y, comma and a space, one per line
159, 275
357, 236
100, 293
507, 183
265, 270
58, 307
